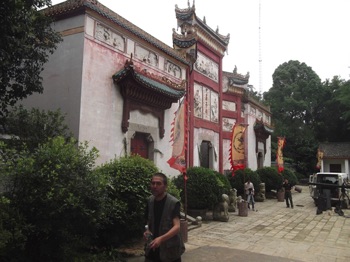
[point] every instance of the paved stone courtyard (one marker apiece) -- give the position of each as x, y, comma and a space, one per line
273, 233
275, 230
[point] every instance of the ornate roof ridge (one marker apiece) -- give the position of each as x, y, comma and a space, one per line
236, 75
187, 10
224, 39
189, 13
70, 6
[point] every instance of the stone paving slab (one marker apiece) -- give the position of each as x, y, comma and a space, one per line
274, 233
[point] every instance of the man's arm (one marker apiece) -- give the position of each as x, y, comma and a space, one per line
172, 232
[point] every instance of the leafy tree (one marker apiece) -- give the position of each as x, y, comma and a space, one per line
33, 127
339, 113
297, 100
27, 39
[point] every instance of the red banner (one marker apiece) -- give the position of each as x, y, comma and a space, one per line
179, 138
237, 149
279, 155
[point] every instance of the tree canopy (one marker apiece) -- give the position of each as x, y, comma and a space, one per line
306, 112
27, 39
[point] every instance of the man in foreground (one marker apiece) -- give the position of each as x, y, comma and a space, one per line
163, 220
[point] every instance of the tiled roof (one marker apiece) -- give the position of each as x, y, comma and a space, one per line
68, 8
335, 150
148, 82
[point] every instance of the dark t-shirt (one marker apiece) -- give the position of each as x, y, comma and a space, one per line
287, 187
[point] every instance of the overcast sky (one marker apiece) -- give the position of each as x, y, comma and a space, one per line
316, 32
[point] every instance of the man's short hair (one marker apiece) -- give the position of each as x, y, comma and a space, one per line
163, 176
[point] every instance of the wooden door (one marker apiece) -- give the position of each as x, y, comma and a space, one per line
139, 145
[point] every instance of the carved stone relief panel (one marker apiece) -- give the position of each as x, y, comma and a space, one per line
173, 69
145, 55
214, 113
206, 103
109, 37
207, 67
198, 100
228, 123
229, 106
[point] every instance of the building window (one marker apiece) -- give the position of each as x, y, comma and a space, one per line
336, 168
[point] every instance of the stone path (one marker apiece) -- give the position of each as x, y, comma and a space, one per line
273, 233
275, 230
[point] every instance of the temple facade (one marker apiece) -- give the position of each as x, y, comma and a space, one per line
218, 100
120, 87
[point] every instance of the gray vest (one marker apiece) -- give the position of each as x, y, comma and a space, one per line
174, 247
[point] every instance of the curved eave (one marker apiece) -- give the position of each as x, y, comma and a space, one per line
184, 43
73, 7
237, 81
263, 128
184, 14
151, 84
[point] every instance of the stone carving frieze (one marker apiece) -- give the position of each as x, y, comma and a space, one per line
146, 55
106, 35
172, 69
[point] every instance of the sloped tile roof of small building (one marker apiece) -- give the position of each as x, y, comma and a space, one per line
335, 150
151, 84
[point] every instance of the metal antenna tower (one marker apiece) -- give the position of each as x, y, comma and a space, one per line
260, 57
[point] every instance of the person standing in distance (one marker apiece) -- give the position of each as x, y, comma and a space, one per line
249, 190
288, 193
163, 220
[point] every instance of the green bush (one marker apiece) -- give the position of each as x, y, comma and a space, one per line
223, 186
290, 175
270, 176
55, 199
202, 188
128, 192
173, 189
240, 177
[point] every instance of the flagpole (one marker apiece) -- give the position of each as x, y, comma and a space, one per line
185, 189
